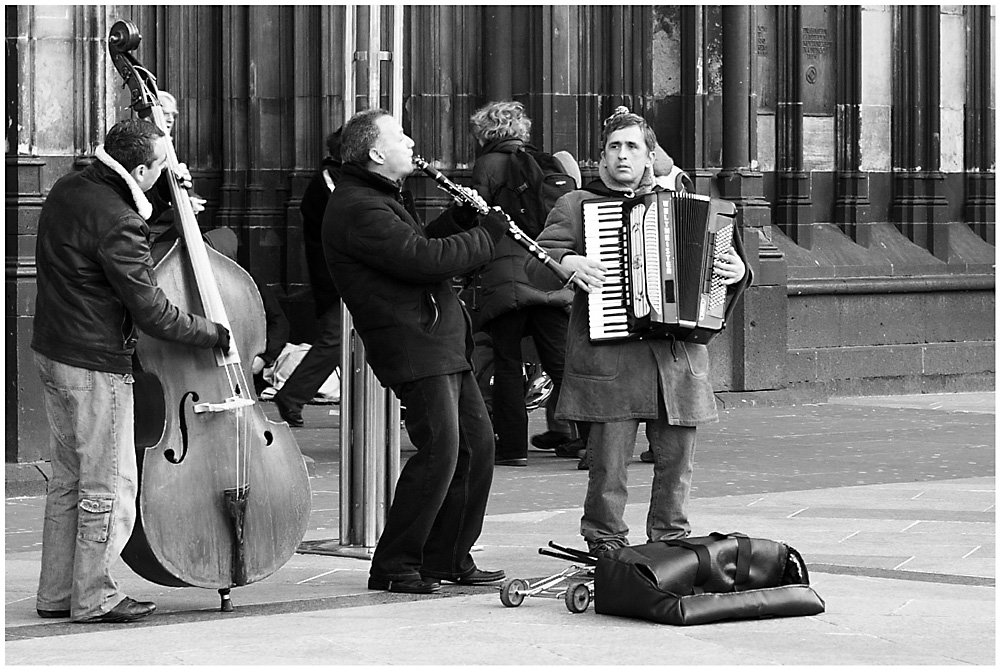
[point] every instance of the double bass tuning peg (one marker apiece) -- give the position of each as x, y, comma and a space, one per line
124, 36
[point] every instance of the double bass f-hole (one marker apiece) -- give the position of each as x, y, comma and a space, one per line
182, 418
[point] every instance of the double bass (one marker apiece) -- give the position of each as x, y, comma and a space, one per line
223, 491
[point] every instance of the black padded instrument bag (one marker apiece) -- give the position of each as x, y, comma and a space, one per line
704, 579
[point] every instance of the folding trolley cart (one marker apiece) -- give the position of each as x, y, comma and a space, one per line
575, 584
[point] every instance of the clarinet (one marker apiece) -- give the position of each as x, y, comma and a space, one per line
518, 235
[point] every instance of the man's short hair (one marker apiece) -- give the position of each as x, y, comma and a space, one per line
500, 120
360, 136
622, 118
132, 142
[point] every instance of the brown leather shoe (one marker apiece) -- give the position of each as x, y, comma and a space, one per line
127, 611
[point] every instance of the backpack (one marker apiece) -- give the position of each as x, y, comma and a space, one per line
534, 181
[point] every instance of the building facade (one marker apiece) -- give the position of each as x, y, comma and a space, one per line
857, 143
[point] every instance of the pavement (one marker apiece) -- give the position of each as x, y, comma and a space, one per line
890, 500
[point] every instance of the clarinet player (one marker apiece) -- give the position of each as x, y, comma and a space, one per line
394, 275
615, 386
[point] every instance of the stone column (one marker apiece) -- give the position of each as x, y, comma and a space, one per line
759, 328
793, 208
693, 136
739, 179
497, 56
918, 203
851, 206
980, 114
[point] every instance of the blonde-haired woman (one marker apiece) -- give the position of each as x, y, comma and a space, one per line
511, 307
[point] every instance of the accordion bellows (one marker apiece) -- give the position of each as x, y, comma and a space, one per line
660, 249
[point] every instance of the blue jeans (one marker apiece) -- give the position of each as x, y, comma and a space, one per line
440, 499
90, 507
609, 450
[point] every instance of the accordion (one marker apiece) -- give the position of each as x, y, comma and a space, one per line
660, 251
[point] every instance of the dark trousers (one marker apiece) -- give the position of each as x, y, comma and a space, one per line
440, 499
318, 363
547, 327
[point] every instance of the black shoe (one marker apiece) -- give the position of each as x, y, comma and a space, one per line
126, 611
550, 439
290, 415
647, 456
516, 462
53, 614
583, 463
475, 578
571, 449
412, 585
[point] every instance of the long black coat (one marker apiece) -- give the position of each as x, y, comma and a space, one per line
395, 275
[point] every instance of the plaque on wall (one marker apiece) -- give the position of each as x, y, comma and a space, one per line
765, 52
818, 59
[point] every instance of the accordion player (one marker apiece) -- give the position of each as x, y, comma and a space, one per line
660, 250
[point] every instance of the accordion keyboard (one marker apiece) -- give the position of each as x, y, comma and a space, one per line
603, 239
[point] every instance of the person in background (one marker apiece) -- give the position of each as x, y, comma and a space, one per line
164, 231
163, 218
615, 386
511, 307
395, 276
95, 289
323, 356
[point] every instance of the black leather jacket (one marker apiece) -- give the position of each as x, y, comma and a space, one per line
95, 280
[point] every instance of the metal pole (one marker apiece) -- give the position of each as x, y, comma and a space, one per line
369, 414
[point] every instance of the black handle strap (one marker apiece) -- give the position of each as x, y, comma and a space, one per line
704, 559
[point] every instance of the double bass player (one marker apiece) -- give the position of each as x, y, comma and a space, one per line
95, 289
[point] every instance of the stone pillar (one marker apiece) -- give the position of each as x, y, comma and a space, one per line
759, 328
497, 35
739, 179
980, 114
693, 136
445, 43
793, 208
851, 206
918, 204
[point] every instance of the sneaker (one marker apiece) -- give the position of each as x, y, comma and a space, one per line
647, 456
583, 463
550, 439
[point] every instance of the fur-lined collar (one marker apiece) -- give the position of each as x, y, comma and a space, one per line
142, 204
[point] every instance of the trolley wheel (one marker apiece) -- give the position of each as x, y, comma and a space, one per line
512, 592
578, 598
